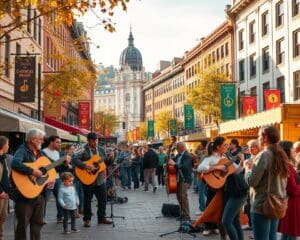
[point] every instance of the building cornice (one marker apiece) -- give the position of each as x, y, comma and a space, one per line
238, 7
224, 29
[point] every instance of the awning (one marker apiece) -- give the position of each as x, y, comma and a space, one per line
50, 130
257, 120
67, 127
194, 137
14, 122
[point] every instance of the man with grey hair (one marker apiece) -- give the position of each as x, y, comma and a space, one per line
29, 211
184, 166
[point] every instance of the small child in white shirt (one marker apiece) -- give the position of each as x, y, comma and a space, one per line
68, 199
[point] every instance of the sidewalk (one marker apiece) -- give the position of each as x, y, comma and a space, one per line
139, 224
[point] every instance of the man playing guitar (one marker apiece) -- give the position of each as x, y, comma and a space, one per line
98, 187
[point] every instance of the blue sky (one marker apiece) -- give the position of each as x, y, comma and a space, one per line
162, 29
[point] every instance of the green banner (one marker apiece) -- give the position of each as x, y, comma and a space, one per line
188, 117
150, 128
228, 102
173, 127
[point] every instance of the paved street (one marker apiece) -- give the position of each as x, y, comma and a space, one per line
140, 222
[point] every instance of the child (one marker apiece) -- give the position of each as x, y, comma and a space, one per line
68, 199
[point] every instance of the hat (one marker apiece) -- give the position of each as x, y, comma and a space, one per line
92, 136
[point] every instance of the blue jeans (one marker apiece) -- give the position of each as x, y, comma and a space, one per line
202, 191
286, 237
60, 209
79, 190
231, 217
126, 177
263, 228
136, 176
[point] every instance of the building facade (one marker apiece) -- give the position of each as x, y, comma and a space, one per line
128, 82
105, 99
267, 48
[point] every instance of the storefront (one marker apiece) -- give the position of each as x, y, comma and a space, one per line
286, 118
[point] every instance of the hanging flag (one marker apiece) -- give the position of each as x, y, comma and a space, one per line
188, 117
228, 101
249, 105
173, 126
84, 114
272, 98
24, 79
98, 122
150, 128
137, 133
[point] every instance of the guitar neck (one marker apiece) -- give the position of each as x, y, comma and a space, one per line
56, 163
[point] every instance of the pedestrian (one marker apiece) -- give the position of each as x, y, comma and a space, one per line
289, 225
162, 160
136, 163
4, 183
29, 212
150, 162
125, 167
270, 169
69, 201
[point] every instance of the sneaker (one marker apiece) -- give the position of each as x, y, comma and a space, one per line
59, 220
75, 230
87, 223
67, 232
198, 213
207, 232
154, 189
216, 231
105, 221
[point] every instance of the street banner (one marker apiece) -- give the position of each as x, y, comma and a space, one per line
24, 79
249, 105
173, 126
188, 117
228, 101
98, 122
150, 128
272, 98
107, 131
137, 133
84, 114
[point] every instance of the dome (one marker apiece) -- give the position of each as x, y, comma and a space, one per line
131, 56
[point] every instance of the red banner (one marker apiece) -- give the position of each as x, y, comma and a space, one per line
249, 105
272, 98
98, 122
137, 133
84, 114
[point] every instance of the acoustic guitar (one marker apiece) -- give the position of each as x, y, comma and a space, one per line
217, 178
30, 186
86, 176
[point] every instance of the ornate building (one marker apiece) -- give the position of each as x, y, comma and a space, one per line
128, 84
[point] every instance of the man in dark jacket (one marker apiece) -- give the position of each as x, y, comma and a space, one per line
184, 166
98, 187
150, 163
29, 211
4, 183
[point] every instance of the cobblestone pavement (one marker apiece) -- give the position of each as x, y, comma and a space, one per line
140, 220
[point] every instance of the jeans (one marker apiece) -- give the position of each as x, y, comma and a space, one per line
231, 217
126, 177
79, 190
59, 208
160, 175
136, 176
100, 193
286, 237
202, 191
263, 228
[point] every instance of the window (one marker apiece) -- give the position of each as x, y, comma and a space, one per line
296, 42
279, 13
266, 59
297, 85
265, 87
241, 39
7, 56
280, 86
252, 31
34, 25
252, 66
127, 97
222, 51
253, 91
227, 69
279, 51
226, 49
242, 70
265, 23
29, 19
218, 54
18, 48
296, 7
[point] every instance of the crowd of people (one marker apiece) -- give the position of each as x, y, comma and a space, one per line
266, 165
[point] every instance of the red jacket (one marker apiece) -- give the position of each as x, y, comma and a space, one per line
290, 224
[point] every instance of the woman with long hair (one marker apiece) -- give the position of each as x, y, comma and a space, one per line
289, 226
272, 161
135, 167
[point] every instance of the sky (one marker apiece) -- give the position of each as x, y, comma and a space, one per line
162, 29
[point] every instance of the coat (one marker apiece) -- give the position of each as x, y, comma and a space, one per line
290, 224
186, 167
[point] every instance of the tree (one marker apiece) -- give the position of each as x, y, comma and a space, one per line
65, 12
206, 96
162, 123
143, 130
108, 121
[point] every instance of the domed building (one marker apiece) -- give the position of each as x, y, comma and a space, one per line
128, 83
